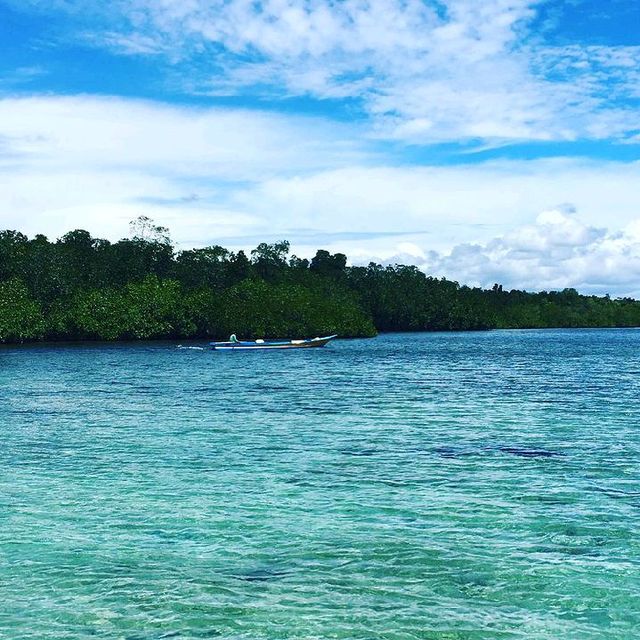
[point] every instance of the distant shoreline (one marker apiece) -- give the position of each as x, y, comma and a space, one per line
80, 288
205, 341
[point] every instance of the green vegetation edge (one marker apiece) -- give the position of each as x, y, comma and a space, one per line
141, 288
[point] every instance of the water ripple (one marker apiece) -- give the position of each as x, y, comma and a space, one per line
435, 486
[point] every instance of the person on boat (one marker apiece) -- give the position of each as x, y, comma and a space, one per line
233, 338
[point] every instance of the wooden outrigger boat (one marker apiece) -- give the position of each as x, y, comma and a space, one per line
243, 345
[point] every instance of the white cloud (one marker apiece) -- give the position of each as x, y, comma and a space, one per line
113, 133
98, 162
453, 204
424, 71
238, 177
557, 251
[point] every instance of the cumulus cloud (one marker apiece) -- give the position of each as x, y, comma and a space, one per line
423, 71
558, 250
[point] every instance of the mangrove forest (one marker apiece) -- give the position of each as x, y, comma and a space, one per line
84, 288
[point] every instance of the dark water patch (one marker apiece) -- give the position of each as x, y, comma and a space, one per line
526, 452
317, 471
175, 537
299, 482
262, 574
403, 482
272, 448
617, 493
269, 387
551, 499
567, 550
320, 411
358, 452
456, 452
572, 530
450, 451
473, 579
579, 551
106, 392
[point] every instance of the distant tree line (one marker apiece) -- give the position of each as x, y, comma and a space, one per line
85, 288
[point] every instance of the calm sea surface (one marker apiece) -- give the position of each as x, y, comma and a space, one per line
425, 486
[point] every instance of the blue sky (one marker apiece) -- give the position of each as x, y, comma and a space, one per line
485, 141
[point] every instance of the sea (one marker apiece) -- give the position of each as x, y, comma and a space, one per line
433, 486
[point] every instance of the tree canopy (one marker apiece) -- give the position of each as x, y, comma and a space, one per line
84, 288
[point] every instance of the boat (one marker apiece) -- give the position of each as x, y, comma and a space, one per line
244, 345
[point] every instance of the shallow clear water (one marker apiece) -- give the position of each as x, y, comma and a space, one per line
467, 486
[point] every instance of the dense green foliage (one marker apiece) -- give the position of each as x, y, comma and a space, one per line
80, 288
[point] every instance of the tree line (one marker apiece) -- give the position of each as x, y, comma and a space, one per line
84, 288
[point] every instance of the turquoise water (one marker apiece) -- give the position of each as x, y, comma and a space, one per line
433, 486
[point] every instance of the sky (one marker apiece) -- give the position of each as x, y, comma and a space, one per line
485, 141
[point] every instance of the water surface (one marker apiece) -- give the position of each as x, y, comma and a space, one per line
433, 486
